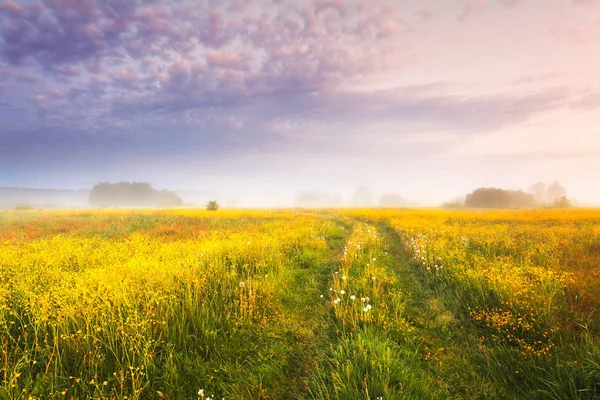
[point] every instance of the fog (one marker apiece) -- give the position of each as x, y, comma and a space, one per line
274, 196
299, 103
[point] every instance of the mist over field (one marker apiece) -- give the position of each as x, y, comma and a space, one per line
260, 103
300, 199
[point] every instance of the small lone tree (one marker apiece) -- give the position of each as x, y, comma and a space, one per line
212, 206
563, 202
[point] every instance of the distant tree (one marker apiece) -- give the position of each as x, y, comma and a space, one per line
499, 198
24, 207
538, 190
212, 206
453, 205
362, 197
391, 200
555, 192
457, 202
136, 194
563, 202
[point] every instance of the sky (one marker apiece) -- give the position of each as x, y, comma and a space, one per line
255, 100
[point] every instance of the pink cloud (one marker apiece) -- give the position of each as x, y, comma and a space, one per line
13, 8
68, 70
54, 92
341, 6
225, 59
80, 8
389, 28
160, 55
92, 31
179, 70
98, 79
26, 77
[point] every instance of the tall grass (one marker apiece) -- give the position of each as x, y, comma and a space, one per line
355, 304
511, 280
142, 316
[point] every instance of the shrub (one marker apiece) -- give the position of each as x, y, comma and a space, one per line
212, 206
562, 202
499, 198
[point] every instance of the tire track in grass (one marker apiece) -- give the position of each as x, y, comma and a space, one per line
306, 317
373, 353
448, 340
273, 359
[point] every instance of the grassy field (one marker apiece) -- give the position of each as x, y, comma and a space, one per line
344, 305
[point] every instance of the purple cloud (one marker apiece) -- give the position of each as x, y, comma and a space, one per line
131, 51
203, 79
437, 107
62, 31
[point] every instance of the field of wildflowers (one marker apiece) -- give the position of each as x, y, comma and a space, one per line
337, 304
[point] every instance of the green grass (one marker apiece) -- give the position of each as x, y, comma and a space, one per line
266, 305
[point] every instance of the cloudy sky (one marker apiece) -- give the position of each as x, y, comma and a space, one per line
257, 99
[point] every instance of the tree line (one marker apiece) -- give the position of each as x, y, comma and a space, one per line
539, 195
135, 195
